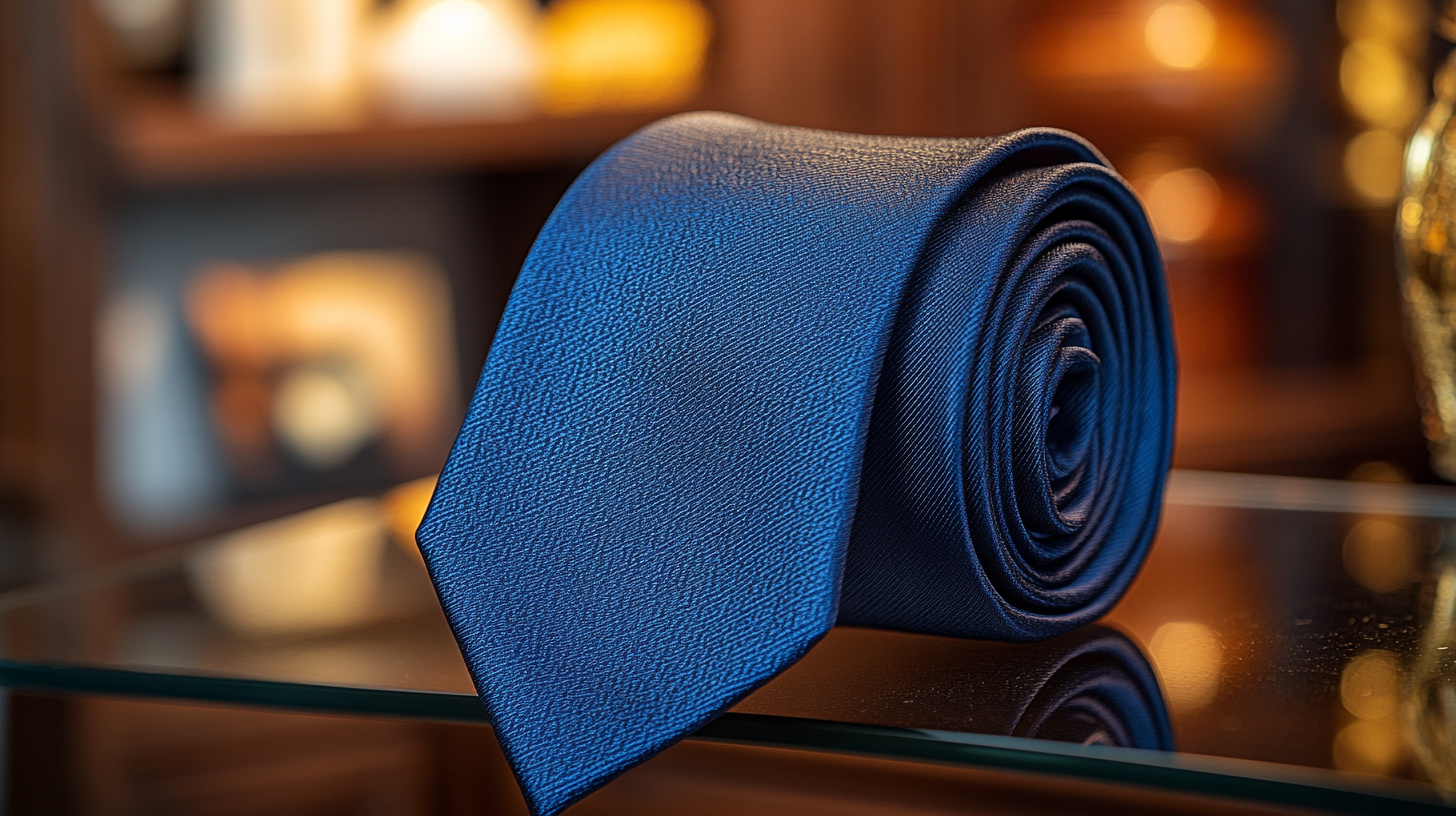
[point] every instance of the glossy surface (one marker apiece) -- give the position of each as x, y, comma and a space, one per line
1304, 625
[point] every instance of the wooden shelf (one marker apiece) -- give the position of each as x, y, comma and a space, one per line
161, 139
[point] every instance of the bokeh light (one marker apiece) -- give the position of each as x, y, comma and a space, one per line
1395, 21
622, 54
1369, 686
1370, 691
1181, 34
1382, 555
1372, 164
1380, 84
1182, 203
1368, 748
1189, 657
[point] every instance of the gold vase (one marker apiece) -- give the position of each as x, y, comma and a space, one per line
1426, 226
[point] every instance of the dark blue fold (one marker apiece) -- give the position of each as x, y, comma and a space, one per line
755, 379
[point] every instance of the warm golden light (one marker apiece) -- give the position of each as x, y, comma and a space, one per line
1379, 471
1372, 165
1394, 21
404, 507
1382, 555
458, 58
1189, 658
1181, 34
308, 573
1370, 685
1370, 690
1380, 84
622, 54
1182, 204
1368, 748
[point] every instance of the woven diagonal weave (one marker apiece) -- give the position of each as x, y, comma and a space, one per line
753, 380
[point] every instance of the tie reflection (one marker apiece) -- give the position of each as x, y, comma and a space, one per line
1092, 686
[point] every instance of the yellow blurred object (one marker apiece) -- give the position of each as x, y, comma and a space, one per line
1379, 471
1381, 84
404, 507
1182, 203
282, 64
1399, 22
1369, 748
446, 59
1373, 165
1370, 690
1181, 34
622, 54
1189, 658
1382, 555
309, 573
1369, 686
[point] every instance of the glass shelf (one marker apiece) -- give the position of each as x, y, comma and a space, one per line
1289, 639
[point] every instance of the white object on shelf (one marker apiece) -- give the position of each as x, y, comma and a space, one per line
285, 64
457, 59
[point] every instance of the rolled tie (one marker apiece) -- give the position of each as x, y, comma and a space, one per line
756, 379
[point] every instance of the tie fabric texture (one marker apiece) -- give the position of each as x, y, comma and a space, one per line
753, 380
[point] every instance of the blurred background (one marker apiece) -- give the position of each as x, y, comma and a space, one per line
252, 252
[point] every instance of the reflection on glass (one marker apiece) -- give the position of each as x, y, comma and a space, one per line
1189, 658
1092, 686
1369, 687
309, 573
1382, 554
1428, 708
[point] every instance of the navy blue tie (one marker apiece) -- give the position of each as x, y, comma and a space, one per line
754, 380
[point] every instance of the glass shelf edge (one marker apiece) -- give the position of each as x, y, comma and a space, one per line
1226, 778
44, 677
1238, 779
1252, 491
